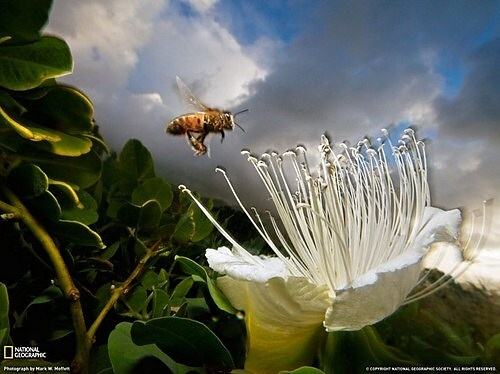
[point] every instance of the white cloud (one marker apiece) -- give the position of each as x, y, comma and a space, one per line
202, 5
127, 55
105, 38
205, 55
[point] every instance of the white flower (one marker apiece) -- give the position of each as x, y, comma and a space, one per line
349, 244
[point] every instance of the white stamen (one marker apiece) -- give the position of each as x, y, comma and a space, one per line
359, 210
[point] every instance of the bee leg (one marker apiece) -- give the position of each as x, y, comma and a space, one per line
191, 140
201, 146
196, 143
201, 138
223, 135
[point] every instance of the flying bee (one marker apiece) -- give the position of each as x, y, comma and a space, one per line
197, 125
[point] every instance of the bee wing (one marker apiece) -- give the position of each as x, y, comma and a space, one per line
189, 97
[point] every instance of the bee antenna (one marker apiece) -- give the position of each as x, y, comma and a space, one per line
242, 129
241, 111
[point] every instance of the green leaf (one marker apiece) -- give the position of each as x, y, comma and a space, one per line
384, 353
99, 360
153, 189
125, 355
50, 140
111, 172
67, 145
28, 180
180, 291
137, 299
196, 307
135, 162
352, 351
78, 233
23, 19
63, 108
219, 298
146, 216
85, 212
304, 370
102, 296
37, 92
45, 206
11, 141
199, 274
336, 356
10, 104
149, 280
66, 190
193, 225
128, 214
4, 316
99, 142
160, 302
48, 295
110, 251
163, 275
187, 341
82, 171
432, 355
32, 133
492, 350
453, 340
191, 267
149, 215
184, 229
27, 66
203, 226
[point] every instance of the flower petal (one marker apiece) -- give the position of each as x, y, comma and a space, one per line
438, 226
245, 266
355, 308
283, 319
379, 292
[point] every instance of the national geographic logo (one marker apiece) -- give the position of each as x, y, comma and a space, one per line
10, 352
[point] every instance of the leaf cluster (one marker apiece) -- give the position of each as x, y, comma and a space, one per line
104, 211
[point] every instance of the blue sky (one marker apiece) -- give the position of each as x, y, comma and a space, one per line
251, 20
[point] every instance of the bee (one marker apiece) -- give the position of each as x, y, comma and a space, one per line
197, 125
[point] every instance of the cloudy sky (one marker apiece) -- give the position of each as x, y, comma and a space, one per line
348, 68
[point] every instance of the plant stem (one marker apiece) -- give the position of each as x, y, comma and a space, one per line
80, 363
8, 208
120, 291
84, 338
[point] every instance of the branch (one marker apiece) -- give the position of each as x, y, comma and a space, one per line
8, 208
63, 276
122, 290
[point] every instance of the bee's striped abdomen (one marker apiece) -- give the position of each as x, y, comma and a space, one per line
185, 123
175, 127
